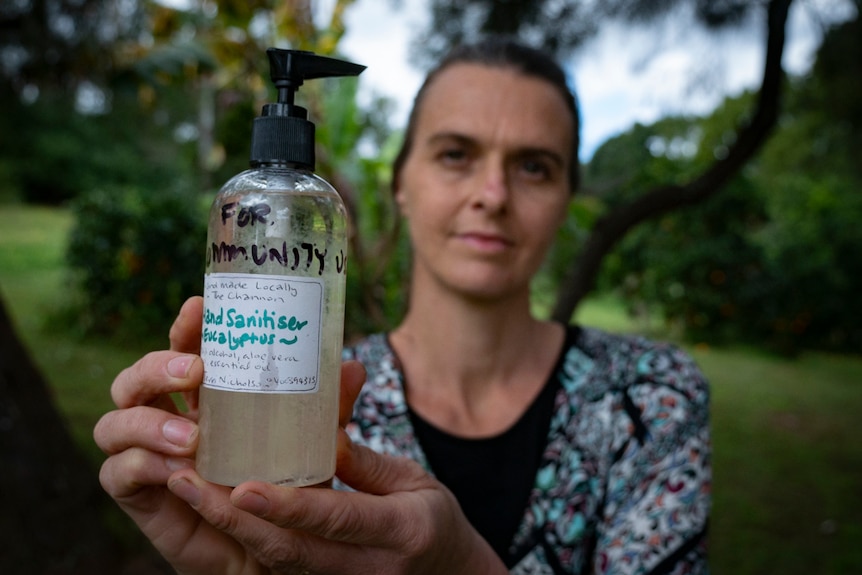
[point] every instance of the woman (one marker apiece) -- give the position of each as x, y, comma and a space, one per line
562, 450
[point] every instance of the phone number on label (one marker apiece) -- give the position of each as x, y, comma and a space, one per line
296, 380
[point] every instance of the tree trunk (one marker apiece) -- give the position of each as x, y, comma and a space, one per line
611, 228
53, 517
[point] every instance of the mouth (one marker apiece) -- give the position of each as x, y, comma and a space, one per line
486, 242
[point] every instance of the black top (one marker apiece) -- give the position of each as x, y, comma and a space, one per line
492, 477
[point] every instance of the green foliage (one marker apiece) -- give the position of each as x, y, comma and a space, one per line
776, 257
661, 153
812, 173
57, 153
699, 266
813, 246
54, 45
136, 256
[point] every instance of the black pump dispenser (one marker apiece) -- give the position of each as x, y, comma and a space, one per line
283, 134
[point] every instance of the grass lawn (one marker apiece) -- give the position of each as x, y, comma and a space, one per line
787, 462
787, 448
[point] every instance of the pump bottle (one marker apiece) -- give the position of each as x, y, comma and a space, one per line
274, 300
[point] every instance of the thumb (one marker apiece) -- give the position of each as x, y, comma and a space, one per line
185, 333
370, 472
352, 379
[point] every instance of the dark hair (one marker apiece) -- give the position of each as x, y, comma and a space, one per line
505, 53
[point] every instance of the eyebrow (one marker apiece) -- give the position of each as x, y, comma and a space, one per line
443, 136
519, 152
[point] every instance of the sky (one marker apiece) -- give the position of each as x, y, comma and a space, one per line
621, 77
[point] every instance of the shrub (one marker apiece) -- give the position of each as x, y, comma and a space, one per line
136, 255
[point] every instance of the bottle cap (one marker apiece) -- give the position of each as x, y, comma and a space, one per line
283, 134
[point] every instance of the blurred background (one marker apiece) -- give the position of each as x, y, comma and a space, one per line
720, 208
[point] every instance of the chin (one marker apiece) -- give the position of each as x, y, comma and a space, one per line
479, 280
490, 289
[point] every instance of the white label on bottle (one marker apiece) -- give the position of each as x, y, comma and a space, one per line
261, 333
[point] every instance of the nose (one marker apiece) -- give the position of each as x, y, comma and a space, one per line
493, 189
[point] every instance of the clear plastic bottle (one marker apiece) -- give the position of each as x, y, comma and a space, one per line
274, 303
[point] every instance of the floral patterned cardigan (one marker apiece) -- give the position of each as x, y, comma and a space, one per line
624, 482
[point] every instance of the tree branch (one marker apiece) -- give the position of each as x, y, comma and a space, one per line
611, 228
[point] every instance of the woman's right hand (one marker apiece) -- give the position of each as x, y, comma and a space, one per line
149, 437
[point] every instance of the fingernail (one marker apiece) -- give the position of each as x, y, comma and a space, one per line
186, 490
254, 503
180, 432
177, 463
179, 366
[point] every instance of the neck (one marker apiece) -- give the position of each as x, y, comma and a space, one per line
468, 333
464, 359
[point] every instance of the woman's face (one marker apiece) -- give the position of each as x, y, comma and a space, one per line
485, 185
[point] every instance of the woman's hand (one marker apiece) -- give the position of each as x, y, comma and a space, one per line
400, 520
149, 438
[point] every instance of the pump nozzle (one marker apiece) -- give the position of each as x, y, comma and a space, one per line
290, 68
283, 134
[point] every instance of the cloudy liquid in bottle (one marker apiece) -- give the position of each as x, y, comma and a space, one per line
272, 330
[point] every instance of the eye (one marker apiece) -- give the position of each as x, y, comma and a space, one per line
536, 169
453, 156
